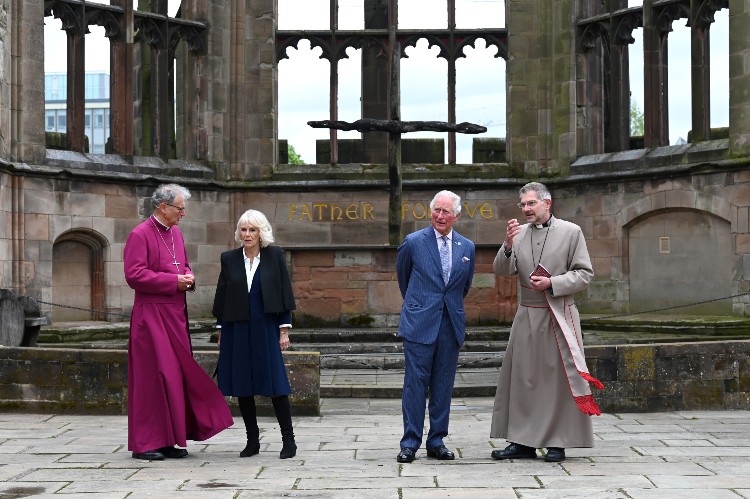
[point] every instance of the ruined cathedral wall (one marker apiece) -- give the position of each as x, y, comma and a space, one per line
5, 58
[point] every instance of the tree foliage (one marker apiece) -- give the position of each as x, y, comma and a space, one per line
636, 120
294, 157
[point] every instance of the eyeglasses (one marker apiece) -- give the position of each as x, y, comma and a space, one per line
530, 204
442, 211
180, 209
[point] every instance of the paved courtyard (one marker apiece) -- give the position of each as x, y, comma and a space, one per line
349, 452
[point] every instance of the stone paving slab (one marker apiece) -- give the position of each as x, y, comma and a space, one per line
349, 451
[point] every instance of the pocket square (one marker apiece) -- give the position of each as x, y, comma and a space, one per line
464, 258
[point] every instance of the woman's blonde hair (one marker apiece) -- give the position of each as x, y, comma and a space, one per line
258, 220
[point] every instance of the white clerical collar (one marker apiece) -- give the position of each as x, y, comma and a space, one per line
160, 223
545, 224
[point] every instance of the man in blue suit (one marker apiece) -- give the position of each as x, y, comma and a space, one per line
435, 267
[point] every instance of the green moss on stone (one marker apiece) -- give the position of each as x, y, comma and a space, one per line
639, 363
360, 320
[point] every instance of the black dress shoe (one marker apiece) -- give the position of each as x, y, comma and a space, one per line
406, 455
173, 452
515, 451
440, 452
149, 455
555, 455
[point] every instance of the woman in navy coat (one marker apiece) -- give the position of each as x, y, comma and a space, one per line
253, 305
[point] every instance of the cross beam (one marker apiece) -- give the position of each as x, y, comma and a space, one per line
395, 128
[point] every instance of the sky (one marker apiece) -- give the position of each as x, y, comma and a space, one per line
480, 86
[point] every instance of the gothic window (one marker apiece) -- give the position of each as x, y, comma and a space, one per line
373, 30
158, 27
665, 69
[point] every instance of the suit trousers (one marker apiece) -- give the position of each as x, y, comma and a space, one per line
429, 368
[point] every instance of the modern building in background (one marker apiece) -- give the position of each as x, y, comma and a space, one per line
96, 120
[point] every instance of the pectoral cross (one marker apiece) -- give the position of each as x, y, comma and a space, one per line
176, 264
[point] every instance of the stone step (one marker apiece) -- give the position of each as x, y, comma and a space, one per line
384, 348
390, 361
632, 329
388, 383
345, 335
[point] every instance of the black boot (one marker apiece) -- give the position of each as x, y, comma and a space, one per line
283, 410
247, 409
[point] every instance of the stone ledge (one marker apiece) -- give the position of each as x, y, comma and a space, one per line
649, 161
706, 375
74, 381
116, 164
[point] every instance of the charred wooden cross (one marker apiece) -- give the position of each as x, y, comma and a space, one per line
395, 128
399, 127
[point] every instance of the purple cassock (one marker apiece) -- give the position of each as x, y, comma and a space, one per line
170, 398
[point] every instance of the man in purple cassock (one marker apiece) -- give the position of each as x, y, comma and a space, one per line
170, 398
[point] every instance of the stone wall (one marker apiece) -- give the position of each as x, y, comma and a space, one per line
637, 378
72, 381
649, 238
672, 376
358, 288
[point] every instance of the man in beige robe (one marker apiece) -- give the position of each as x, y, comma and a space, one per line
543, 399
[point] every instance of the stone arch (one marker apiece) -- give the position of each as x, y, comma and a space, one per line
78, 278
677, 250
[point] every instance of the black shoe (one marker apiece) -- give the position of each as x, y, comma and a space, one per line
173, 452
406, 455
515, 451
149, 455
440, 452
555, 455
289, 449
252, 448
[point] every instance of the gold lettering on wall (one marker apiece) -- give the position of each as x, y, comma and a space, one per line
362, 211
331, 212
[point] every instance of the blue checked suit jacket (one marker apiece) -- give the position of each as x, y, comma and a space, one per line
420, 279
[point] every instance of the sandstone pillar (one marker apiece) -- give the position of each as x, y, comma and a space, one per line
541, 85
26, 29
375, 84
656, 95
6, 35
121, 84
739, 78
243, 99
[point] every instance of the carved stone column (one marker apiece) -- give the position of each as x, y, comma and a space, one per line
739, 78
26, 29
6, 34
375, 84
251, 98
121, 84
656, 94
541, 85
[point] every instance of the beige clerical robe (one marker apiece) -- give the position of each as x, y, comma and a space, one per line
533, 403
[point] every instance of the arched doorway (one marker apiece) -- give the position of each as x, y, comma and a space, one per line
679, 257
78, 276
